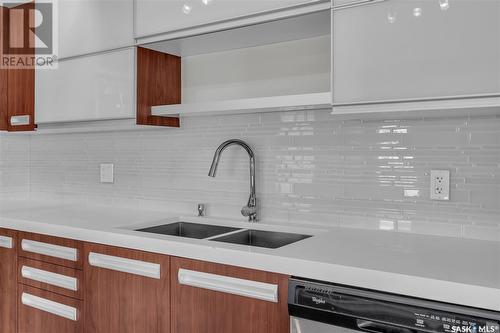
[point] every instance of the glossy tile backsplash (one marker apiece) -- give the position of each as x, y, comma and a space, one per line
14, 165
311, 168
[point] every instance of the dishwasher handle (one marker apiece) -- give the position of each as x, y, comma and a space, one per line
375, 327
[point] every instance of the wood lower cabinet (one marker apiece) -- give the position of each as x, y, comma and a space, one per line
126, 291
197, 306
8, 284
49, 290
42, 311
118, 290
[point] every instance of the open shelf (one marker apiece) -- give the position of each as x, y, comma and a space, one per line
312, 101
281, 65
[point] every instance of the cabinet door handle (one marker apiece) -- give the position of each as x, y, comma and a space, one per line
58, 280
51, 250
355, 4
125, 265
20, 120
46, 305
6, 242
248, 288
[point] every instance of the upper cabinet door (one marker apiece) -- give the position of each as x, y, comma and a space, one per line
87, 26
412, 49
160, 16
17, 78
96, 87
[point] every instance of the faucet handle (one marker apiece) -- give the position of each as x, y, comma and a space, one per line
201, 209
250, 211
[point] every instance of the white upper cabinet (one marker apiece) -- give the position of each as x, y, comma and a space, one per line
96, 87
402, 50
162, 16
87, 26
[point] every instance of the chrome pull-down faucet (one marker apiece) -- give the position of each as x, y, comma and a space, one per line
250, 209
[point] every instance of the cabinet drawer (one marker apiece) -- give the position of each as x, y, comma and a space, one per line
58, 279
54, 250
42, 311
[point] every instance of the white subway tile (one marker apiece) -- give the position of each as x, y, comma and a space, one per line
312, 168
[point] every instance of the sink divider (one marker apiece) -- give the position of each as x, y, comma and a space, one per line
226, 234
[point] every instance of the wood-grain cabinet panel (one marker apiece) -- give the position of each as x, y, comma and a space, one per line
17, 80
67, 245
36, 316
199, 310
131, 291
35, 275
119, 301
8, 283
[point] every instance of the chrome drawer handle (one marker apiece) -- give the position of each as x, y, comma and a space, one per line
125, 265
248, 288
57, 251
6, 242
20, 120
46, 305
58, 280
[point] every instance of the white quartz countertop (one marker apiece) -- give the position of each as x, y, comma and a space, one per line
459, 271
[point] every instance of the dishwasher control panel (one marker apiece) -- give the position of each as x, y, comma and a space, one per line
372, 311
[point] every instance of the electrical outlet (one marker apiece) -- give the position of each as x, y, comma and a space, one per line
440, 185
107, 173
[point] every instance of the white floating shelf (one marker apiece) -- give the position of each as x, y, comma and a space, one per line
313, 101
487, 105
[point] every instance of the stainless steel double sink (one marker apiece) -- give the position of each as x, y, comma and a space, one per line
251, 237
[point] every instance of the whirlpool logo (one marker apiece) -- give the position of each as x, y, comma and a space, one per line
318, 300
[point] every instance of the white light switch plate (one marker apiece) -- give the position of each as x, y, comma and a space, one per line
440, 185
107, 173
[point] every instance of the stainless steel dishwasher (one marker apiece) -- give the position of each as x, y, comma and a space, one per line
317, 307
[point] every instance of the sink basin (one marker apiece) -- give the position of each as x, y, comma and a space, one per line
189, 230
261, 238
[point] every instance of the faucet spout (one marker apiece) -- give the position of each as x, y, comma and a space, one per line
250, 209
